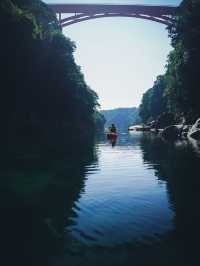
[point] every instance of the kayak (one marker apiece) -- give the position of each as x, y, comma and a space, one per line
111, 135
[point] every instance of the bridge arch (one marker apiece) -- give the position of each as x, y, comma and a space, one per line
84, 12
80, 18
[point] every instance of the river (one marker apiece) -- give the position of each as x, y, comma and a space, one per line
133, 202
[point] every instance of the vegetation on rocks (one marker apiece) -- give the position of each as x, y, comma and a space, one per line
177, 91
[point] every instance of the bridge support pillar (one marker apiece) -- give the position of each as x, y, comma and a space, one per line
59, 17
60, 20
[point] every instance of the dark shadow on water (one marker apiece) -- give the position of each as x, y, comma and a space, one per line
178, 164
36, 195
175, 164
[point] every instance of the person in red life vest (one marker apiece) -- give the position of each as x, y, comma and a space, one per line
113, 129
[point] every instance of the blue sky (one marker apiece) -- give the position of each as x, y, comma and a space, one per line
120, 57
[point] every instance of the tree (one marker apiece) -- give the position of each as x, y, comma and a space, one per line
45, 101
153, 101
179, 91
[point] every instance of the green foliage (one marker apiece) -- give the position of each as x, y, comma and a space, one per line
181, 89
44, 100
187, 39
153, 101
99, 122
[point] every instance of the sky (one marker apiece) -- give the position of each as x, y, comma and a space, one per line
120, 57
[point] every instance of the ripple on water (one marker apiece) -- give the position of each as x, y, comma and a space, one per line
122, 200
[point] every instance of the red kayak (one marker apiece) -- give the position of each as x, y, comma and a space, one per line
111, 135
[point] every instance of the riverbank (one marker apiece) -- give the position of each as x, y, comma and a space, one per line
175, 131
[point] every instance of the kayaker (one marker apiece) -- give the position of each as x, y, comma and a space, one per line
113, 128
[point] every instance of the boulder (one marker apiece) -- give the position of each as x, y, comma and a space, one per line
194, 132
165, 120
185, 131
195, 145
172, 132
139, 128
152, 124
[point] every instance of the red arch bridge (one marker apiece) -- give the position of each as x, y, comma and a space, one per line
82, 12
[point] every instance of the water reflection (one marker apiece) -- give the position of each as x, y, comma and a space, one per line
134, 204
35, 198
138, 206
122, 201
178, 164
113, 142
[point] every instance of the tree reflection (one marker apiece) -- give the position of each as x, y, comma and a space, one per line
178, 164
35, 198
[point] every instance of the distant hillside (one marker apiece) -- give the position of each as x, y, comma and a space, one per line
121, 117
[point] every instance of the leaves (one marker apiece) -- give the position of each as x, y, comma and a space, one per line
181, 89
44, 99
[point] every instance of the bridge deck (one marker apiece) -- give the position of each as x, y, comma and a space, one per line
113, 8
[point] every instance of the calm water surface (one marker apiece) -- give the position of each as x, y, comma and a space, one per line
122, 200
133, 202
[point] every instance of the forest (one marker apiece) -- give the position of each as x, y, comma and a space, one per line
174, 96
45, 103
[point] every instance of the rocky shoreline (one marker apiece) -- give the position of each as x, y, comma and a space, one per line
174, 131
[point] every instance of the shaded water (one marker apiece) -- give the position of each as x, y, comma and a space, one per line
134, 202
122, 200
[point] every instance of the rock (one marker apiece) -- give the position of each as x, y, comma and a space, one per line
172, 132
154, 130
185, 131
152, 124
194, 132
195, 145
139, 128
165, 120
